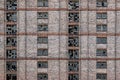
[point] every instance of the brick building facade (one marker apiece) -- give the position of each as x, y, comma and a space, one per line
59, 39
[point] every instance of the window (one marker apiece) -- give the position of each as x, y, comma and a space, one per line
101, 15
11, 54
73, 4
11, 4
73, 54
42, 76
101, 76
101, 52
42, 40
73, 66
42, 52
101, 3
73, 41
42, 3
11, 66
101, 65
101, 40
11, 17
73, 77
11, 41
11, 77
73, 29
42, 64
43, 27
73, 17
101, 28
11, 30
42, 15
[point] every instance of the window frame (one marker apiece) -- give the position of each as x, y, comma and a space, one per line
101, 65
101, 40
102, 15
41, 15
43, 2
101, 28
101, 52
43, 54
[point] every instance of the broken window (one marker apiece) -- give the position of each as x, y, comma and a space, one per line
43, 27
101, 65
11, 30
73, 41
73, 4
42, 64
73, 77
42, 76
42, 52
73, 17
101, 3
73, 66
101, 52
11, 4
42, 3
42, 40
73, 54
73, 29
11, 53
11, 66
101, 40
11, 77
101, 15
101, 76
11, 17
101, 28
42, 15
11, 41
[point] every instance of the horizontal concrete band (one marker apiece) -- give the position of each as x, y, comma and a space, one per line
60, 59
63, 9
66, 34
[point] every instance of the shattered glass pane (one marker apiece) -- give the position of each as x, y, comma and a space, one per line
11, 41
11, 17
11, 30
11, 54
11, 66
73, 41
11, 4
73, 4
